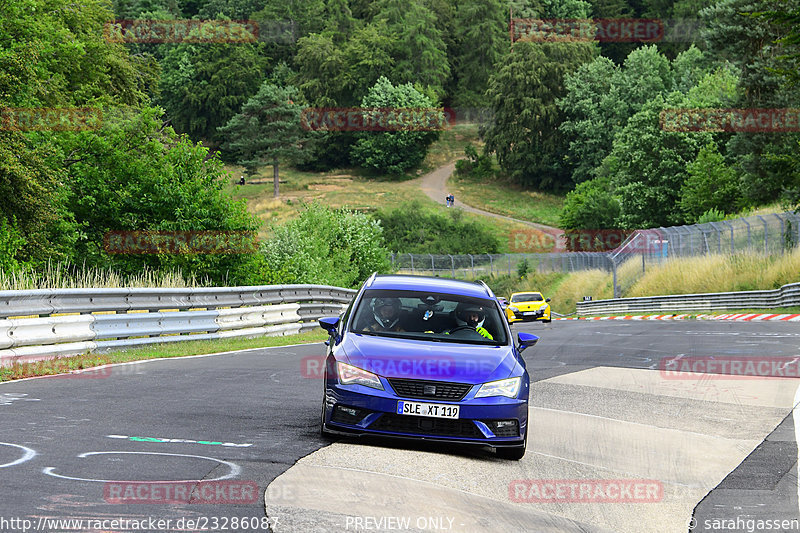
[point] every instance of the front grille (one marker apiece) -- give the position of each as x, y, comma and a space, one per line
438, 390
430, 426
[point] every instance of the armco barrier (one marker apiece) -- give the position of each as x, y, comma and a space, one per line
786, 296
45, 323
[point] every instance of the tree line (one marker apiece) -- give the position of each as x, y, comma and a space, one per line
568, 116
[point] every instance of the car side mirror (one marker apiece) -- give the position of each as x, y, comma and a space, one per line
526, 340
547, 300
329, 324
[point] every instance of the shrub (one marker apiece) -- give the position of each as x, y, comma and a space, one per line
412, 229
323, 246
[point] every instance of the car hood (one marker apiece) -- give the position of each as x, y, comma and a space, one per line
436, 361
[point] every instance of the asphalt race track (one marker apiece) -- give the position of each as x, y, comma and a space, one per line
720, 453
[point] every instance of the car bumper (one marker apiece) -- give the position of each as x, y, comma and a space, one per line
520, 316
350, 410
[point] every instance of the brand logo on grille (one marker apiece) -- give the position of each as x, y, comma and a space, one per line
429, 390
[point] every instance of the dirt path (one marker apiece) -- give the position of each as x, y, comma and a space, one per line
434, 185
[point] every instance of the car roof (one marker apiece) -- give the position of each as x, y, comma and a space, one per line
427, 283
527, 292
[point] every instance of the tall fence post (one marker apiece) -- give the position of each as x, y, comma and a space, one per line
782, 237
733, 249
433, 265
766, 235
412, 262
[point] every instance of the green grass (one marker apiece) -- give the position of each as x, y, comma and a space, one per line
156, 351
68, 276
504, 198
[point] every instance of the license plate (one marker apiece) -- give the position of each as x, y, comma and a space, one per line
529, 313
434, 410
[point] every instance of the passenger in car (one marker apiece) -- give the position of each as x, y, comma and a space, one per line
386, 312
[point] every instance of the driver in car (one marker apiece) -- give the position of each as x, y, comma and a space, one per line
386, 312
472, 316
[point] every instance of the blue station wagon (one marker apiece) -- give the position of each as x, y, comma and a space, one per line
428, 359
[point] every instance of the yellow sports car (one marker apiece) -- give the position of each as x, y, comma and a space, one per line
527, 307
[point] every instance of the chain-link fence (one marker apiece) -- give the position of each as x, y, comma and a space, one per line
480, 265
760, 234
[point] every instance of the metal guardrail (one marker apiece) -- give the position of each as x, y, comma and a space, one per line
786, 296
39, 324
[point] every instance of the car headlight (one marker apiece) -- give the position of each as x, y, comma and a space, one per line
505, 387
350, 375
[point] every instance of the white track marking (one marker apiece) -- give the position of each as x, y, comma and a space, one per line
235, 469
26, 456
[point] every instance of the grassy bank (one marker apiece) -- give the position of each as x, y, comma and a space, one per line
711, 273
67, 276
156, 351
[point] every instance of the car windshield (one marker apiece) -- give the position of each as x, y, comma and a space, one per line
430, 316
527, 297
